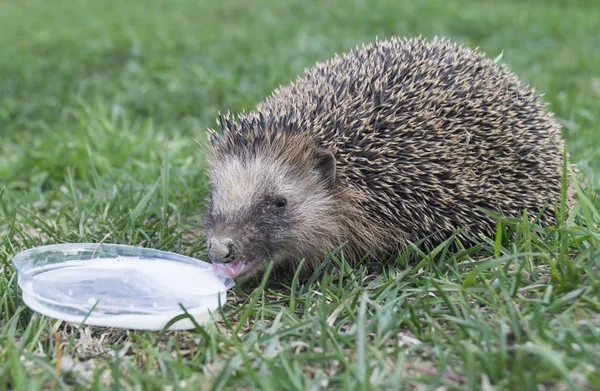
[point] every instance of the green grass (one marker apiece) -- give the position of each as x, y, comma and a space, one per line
95, 95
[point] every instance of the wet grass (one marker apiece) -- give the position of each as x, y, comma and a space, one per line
102, 105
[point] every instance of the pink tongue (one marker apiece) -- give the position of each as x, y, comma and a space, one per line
230, 269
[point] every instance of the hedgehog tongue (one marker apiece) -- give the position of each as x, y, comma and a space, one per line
229, 269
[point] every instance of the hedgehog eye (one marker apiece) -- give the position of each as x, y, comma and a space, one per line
280, 203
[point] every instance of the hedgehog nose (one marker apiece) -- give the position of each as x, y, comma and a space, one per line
221, 250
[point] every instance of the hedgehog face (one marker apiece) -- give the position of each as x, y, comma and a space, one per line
267, 208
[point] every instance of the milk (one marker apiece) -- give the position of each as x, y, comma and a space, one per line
129, 292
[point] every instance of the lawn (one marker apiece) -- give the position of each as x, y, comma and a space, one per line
102, 107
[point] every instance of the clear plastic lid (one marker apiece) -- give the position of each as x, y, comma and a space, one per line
118, 286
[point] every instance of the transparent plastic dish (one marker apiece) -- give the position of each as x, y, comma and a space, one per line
120, 286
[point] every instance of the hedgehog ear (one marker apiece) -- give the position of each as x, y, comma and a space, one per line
325, 166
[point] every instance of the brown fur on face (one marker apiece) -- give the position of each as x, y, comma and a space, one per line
322, 213
392, 142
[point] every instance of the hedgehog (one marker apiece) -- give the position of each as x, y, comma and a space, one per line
396, 141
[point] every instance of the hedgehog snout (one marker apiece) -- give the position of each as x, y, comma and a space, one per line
221, 250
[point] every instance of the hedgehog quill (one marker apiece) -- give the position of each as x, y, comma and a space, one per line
394, 141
